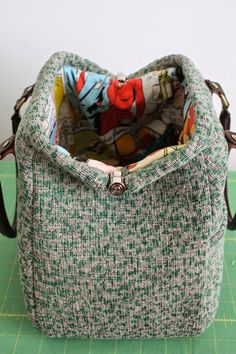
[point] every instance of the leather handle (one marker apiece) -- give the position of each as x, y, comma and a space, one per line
6, 228
6, 148
231, 139
230, 136
16, 118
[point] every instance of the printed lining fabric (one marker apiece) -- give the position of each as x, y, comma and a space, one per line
125, 123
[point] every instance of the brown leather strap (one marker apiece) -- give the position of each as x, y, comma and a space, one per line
231, 139
7, 229
16, 118
230, 136
8, 147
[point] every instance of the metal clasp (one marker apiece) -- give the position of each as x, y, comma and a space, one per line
117, 183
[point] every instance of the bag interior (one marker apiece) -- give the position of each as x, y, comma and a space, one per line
119, 121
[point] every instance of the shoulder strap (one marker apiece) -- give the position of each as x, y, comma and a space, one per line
16, 118
231, 138
6, 148
7, 229
225, 120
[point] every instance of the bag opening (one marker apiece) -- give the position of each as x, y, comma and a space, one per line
121, 122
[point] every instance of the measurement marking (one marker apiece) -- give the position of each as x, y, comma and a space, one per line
90, 347
140, 347
230, 288
40, 345
65, 349
18, 336
214, 334
165, 346
13, 315
115, 350
225, 320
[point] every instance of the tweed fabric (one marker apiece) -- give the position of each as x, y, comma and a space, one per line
147, 263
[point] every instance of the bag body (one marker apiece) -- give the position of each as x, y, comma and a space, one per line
144, 263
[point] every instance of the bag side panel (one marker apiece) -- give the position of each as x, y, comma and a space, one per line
25, 155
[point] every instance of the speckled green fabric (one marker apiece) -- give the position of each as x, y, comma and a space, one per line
147, 263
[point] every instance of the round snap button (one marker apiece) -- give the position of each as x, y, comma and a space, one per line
117, 188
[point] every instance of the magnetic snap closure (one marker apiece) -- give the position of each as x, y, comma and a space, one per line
117, 185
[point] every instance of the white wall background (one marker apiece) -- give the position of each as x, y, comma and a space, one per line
121, 35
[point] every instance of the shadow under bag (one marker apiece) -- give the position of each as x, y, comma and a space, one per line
137, 252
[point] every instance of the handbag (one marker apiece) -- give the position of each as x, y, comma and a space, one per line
136, 252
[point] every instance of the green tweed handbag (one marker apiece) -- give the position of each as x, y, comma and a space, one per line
121, 199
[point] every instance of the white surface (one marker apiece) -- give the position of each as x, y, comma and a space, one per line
121, 36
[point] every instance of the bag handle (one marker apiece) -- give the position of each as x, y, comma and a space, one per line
230, 136
16, 118
231, 139
8, 147
7, 229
